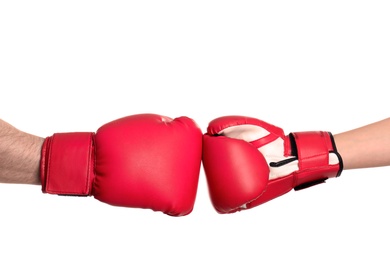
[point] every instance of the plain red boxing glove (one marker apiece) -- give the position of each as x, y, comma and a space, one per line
248, 162
141, 161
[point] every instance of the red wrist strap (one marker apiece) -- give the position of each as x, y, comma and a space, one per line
313, 150
67, 164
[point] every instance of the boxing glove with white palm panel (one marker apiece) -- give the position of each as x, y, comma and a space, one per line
248, 162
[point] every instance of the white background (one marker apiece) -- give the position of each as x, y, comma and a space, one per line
301, 65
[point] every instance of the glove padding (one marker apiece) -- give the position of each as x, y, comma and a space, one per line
248, 161
145, 161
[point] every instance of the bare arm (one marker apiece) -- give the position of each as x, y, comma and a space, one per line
19, 155
366, 146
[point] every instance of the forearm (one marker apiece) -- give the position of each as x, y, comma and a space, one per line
367, 146
20, 154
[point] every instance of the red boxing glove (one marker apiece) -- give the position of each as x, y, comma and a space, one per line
142, 161
248, 162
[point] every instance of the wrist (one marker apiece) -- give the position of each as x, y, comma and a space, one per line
19, 155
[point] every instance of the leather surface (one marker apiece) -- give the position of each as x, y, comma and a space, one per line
142, 161
238, 174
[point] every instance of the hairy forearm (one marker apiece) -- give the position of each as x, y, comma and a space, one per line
367, 146
19, 155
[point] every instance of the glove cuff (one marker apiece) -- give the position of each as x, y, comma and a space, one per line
67, 164
313, 149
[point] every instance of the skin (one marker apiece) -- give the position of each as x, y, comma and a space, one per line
20, 154
366, 146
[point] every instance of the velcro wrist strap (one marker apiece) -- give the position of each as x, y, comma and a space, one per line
67, 164
313, 149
